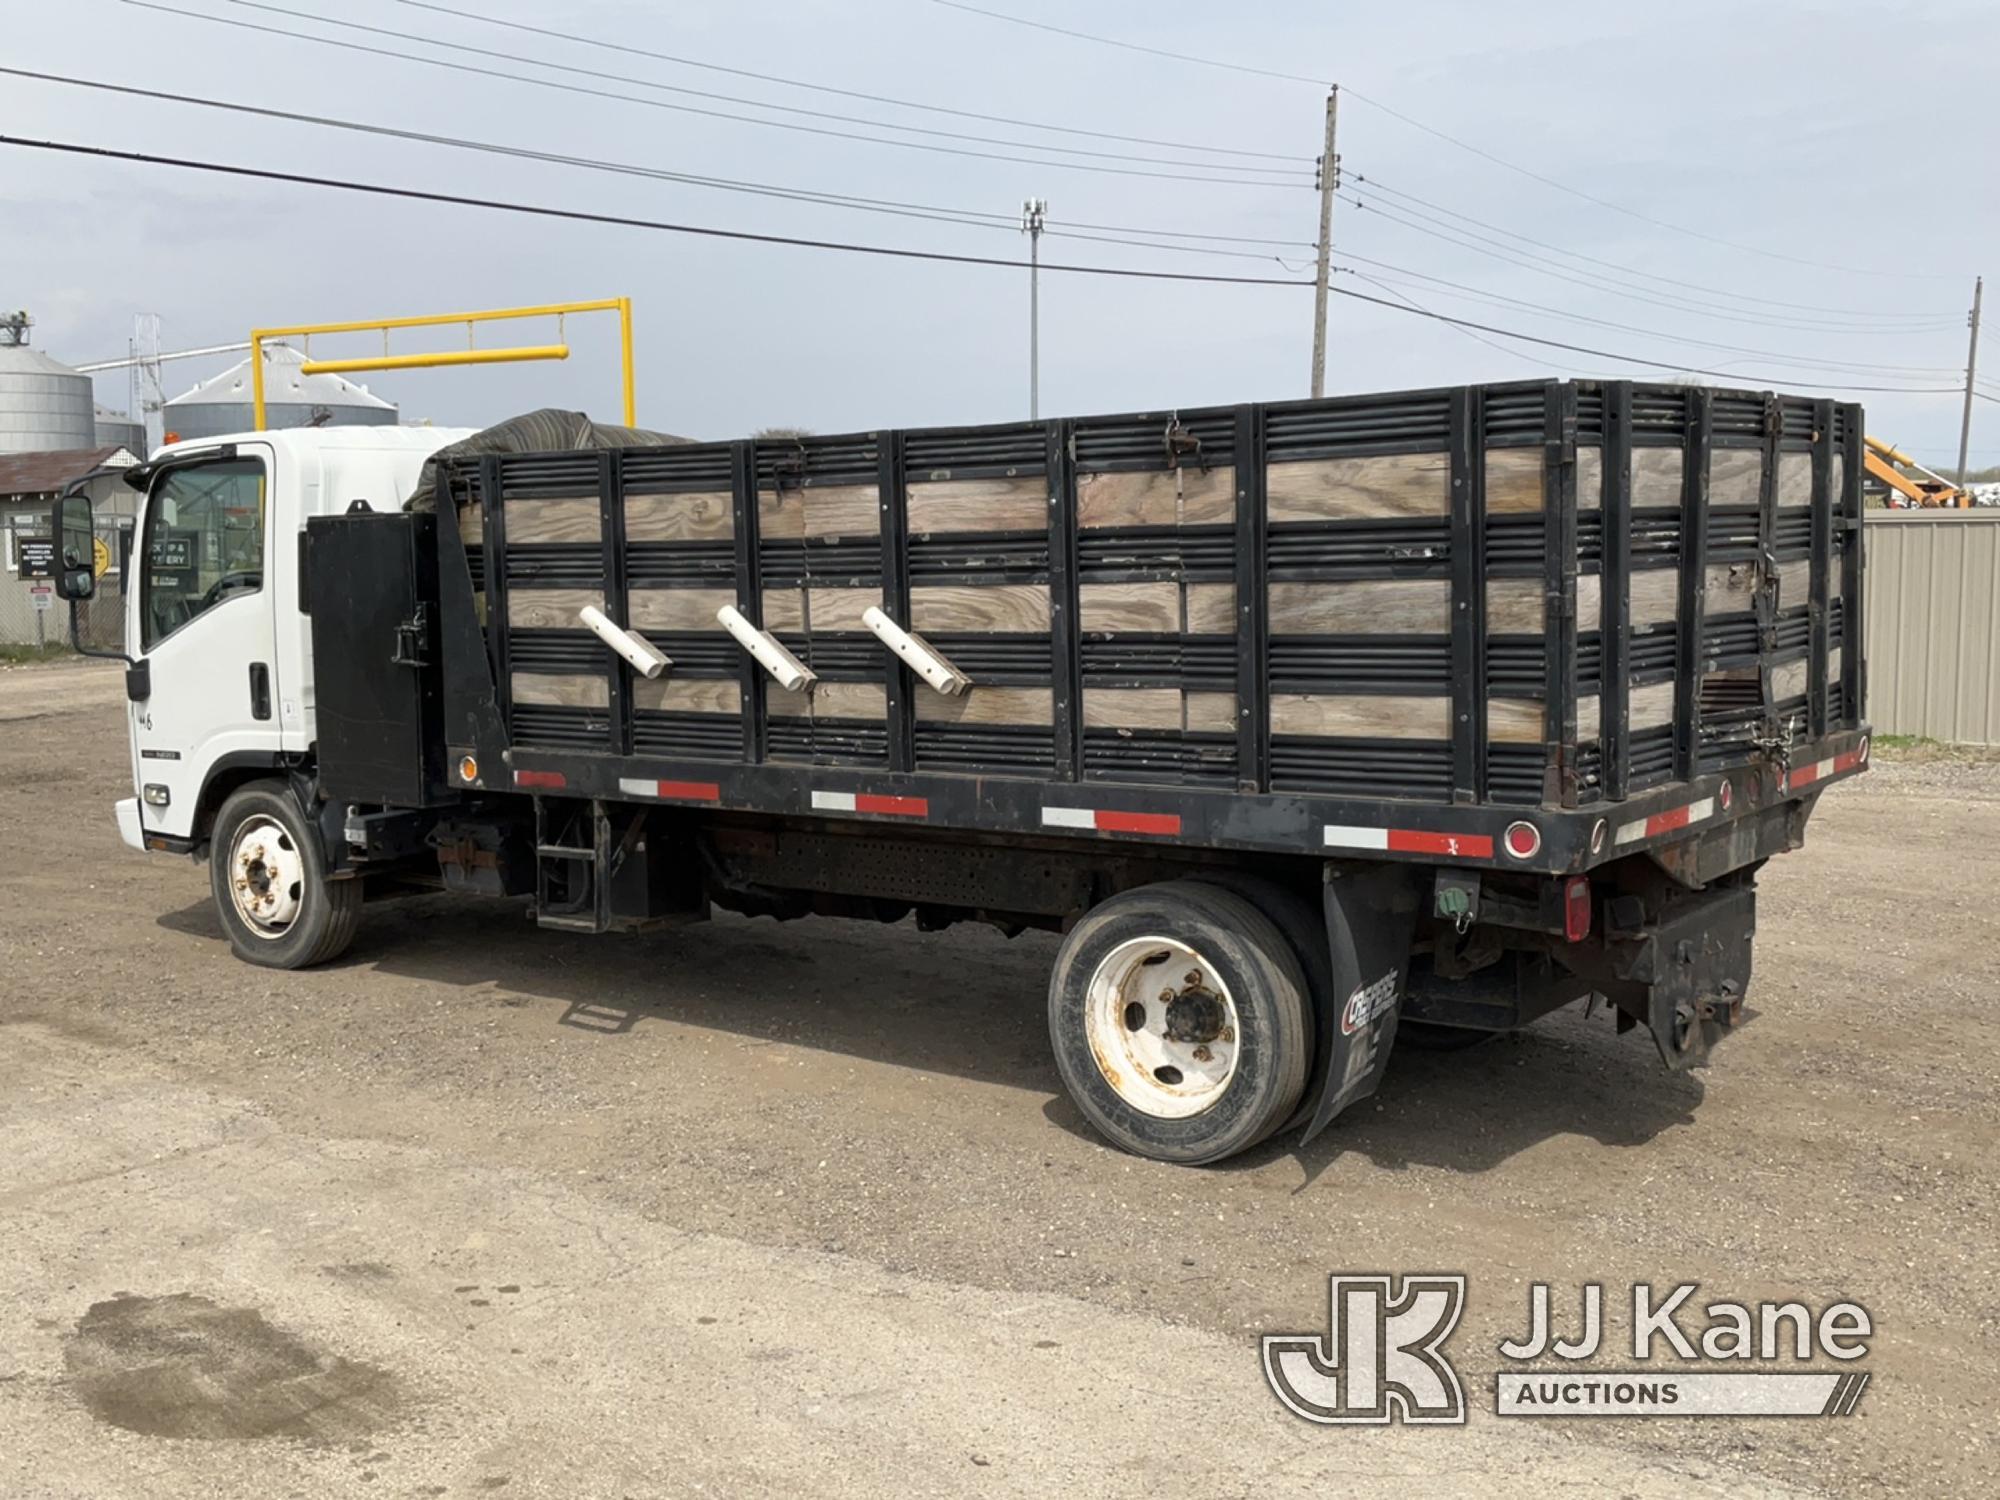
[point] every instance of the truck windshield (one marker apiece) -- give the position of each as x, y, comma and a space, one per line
204, 542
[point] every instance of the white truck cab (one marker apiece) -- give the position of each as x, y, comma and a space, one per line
221, 687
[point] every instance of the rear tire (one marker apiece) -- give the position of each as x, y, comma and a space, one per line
267, 872
1178, 1014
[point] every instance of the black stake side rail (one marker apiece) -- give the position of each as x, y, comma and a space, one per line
1575, 827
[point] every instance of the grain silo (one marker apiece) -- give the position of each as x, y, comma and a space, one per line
115, 428
292, 398
44, 405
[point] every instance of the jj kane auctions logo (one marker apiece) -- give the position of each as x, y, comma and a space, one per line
1382, 1357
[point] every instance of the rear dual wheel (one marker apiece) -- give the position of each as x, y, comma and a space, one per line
1181, 1023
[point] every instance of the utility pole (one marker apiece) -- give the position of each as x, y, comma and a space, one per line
1033, 212
1329, 179
1971, 367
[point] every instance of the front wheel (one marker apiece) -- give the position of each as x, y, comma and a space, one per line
267, 871
1179, 1020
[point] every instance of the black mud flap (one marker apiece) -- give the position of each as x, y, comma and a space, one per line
1684, 979
1370, 918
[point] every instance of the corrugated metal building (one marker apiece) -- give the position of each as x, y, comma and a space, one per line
1932, 624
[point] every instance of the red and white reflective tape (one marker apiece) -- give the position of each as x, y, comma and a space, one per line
1820, 770
1684, 816
1105, 820
671, 791
553, 781
1410, 841
871, 802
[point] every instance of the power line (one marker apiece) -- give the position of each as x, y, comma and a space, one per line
106, 153
1633, 213
633, 50
1107, 41
1116, 234
1380, 186
789, 109
1431, 130
1477, 338
1479, 244
573, 88
1816, 361
542, 211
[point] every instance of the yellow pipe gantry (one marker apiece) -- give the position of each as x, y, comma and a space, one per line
386, 361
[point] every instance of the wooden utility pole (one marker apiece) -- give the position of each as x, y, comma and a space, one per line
1033, 212
1971, 368
1329, 179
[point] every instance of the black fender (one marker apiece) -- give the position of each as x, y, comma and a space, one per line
1371, 918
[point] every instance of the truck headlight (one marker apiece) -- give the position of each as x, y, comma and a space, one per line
156, 795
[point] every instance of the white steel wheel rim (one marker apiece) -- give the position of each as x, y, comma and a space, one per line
267, 877
1162, 1027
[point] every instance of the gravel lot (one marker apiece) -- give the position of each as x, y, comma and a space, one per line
747, 1208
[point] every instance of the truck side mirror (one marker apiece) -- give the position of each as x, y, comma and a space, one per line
76, 548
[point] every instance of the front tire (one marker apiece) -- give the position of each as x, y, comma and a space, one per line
1178, 1016
267, 872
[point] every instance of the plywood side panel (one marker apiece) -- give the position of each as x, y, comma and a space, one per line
1170, 497
1651, 707
568, 520
781, 515
561, 689
1211, 609
1658, 475
1794, 479
1735, 475
678, 609
842, 510
549, 609
1020, 503
1656, 596
849, 700
784, 609
1518, 721
1132, 708
1514, 480
1369, 606
989, 705
1210, 713
692, 695
1361, 716
698, 516
1004, 609
1731, 588
1339, 489
840, 609
1129, 608
1589, 477
1516, 606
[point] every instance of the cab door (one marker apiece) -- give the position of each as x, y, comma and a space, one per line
205, 632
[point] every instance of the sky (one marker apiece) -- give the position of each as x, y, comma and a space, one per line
1807, 184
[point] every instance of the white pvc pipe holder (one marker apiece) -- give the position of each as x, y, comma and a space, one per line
646, 658
791, 674
917, 653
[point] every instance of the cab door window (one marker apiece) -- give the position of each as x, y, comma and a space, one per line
204, 543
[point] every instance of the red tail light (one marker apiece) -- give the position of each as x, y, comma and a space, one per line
1576, 908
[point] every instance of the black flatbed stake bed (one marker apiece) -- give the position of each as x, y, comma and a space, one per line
1431, 709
